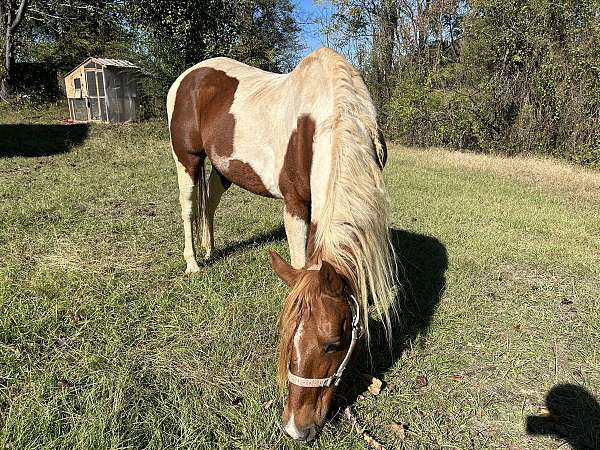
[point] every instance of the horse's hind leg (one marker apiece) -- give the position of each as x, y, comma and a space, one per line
188, 201
217, 185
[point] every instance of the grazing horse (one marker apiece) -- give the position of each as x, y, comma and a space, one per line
311, 138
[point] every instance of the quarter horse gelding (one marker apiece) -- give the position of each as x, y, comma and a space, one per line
311, 138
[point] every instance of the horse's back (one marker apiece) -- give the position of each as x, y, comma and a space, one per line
247, 120
204, 121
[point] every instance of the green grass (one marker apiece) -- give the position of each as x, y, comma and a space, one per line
104, 343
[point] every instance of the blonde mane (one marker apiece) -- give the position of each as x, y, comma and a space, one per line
352, 233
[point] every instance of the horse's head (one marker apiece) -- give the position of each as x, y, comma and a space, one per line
318, 333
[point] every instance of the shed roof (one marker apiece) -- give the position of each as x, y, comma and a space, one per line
106, 62
114, 62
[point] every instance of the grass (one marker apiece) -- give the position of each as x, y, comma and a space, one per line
105, 344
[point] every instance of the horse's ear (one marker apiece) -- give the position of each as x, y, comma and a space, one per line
287, 273
331, 281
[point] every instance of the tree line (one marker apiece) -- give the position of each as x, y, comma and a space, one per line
161, 36
509, 76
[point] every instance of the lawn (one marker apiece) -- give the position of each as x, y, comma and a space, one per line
104, 343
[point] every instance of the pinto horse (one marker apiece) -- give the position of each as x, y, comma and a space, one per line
311, 138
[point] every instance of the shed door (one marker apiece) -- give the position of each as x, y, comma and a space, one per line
96, 98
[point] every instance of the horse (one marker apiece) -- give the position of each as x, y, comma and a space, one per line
311, 139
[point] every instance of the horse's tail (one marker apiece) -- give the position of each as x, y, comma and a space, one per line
200, 214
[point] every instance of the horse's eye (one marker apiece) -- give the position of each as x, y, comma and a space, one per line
331, 347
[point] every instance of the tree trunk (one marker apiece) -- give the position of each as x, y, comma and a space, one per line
9, 58
11, 20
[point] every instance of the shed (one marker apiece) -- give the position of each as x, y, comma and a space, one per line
101, 89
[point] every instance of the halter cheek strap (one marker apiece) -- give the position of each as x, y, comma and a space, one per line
333, 380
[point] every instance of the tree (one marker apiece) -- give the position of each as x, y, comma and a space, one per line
260, 32
175, 36
63, 33
11, 17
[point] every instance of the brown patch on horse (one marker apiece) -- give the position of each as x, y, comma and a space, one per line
201, 122
310, 244
294, 179
244, 176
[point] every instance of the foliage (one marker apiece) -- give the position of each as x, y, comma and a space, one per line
64, 34
262, 33
489, 75
163, 37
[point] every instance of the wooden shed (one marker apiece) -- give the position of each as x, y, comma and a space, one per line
104, 90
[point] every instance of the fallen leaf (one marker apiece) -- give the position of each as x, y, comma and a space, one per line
398, 428
543, 411
267, 404
375, 386
456, 378
422, 381
546, 414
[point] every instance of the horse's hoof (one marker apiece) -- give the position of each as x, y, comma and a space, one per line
192, 267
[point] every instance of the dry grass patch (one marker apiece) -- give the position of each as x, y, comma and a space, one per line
549, 174
85, 257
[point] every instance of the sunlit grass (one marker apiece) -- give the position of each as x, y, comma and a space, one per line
104, 343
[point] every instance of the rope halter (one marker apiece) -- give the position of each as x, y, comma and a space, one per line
337, 376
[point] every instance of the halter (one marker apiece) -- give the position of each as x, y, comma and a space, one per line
337, 376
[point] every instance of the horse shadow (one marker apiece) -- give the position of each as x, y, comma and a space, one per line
274, 235
573, 414
31, 140
422, 262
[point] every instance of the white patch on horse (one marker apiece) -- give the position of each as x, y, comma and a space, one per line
187, 197
297, 338
252, 144
296, 230
220, 162
320, 174
291, 429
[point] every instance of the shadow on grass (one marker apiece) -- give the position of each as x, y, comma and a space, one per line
32, 140
273, 235
573, 415
422, 263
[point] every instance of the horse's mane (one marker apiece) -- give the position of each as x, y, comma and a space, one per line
352, 232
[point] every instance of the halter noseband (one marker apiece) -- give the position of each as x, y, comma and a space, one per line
337, 376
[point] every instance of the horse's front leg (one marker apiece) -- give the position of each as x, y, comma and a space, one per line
296, 220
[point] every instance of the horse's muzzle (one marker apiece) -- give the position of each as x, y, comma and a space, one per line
305, 434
